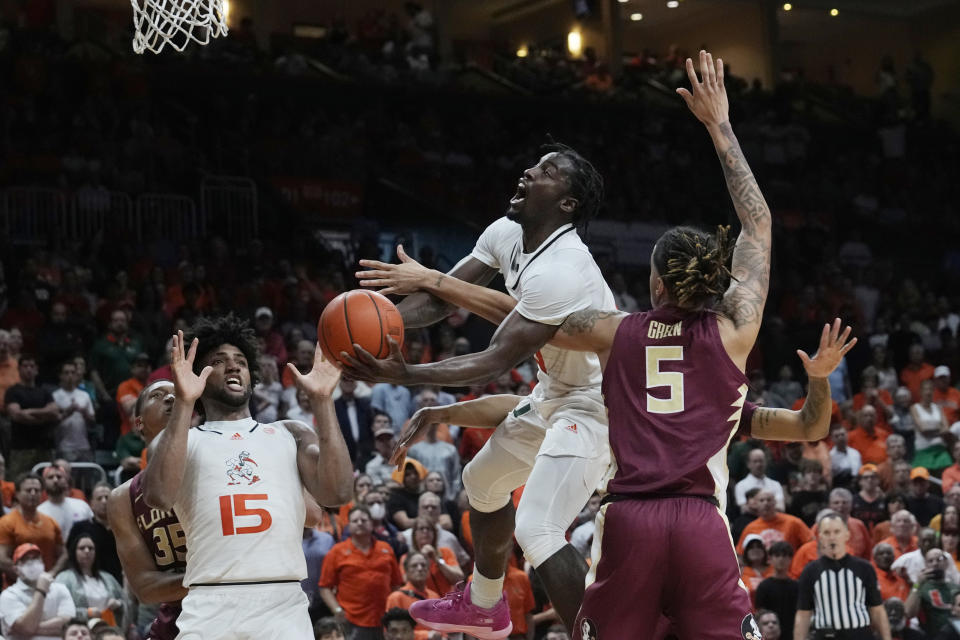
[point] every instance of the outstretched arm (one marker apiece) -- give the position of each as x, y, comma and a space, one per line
745, 298
486, 412
410, 277
812, 421
421, 309
164, 473
322, 455
514, 341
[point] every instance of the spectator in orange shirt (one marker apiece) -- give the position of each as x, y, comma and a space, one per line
944, 395
361, 485
363, 571
415, 566
867, 438
756, 565
25, 524
129, 390
444, 571
903, 529
871, 394
891, 584
773, 526
916, 371
896, 451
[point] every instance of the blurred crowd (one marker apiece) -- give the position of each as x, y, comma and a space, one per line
865, 227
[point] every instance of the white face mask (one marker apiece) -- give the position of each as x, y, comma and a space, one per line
378, 511
31, 570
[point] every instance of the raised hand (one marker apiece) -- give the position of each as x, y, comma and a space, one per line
321, 380
833, 346
392, 369
709, 98
401, 279
187, 385
412, 432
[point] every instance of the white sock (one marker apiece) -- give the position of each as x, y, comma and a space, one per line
486, 592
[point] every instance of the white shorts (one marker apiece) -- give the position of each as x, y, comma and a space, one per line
245, 612
572, 425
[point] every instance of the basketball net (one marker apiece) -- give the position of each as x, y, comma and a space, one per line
157, 23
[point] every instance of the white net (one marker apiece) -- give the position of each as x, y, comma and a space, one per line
157, 23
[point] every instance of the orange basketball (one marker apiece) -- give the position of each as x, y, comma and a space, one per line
362, 317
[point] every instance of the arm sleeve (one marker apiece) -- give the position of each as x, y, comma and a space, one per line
805, 588
551, 294
870, 583
492, 238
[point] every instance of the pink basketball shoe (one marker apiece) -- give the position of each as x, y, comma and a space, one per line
454, 612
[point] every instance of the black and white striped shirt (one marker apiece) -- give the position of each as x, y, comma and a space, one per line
839, 592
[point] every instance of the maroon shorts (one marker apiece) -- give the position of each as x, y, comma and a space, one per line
668, 557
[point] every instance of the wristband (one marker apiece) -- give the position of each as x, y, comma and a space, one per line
41, 591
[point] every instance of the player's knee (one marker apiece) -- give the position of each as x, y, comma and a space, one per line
538, 537
483, 492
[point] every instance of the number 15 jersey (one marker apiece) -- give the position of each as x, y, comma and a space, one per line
241, 504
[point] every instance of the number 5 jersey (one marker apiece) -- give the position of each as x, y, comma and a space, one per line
241, 504
674, 400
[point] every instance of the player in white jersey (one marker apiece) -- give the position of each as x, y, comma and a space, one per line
235, 485
555, 441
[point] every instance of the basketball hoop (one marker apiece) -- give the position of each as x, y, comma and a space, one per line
157, 23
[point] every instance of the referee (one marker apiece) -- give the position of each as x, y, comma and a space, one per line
838, 592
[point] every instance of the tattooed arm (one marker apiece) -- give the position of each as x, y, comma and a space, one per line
421, 309
410, 277
812, 422
743, 303
589, 330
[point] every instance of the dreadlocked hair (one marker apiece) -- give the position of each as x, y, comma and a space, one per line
586, 183
228, 329
694, 265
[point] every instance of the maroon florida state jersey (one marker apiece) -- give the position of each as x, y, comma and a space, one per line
675, 401
163, 534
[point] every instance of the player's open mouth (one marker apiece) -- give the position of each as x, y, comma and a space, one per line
234, 384
521, 193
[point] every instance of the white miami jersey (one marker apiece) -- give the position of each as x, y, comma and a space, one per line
556, 279
241, 504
